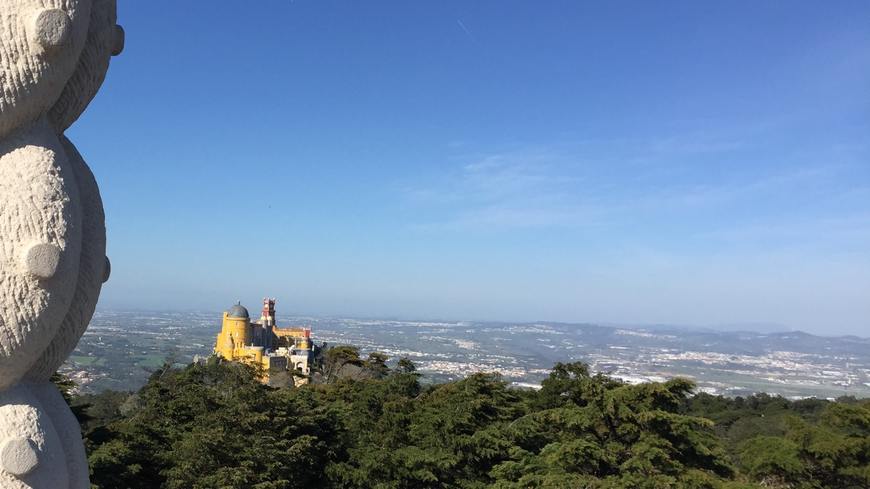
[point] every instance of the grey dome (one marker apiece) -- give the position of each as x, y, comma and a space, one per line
238, 311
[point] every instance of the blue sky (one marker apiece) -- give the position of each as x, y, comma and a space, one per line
690, 163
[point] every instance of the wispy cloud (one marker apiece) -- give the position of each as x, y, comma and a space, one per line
598, 184
465, 30
504, 217
522, 189
693, 144
850, 232
689, 194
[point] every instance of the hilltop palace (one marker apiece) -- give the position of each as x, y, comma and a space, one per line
285, 355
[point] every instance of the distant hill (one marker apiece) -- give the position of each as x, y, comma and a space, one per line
121, 348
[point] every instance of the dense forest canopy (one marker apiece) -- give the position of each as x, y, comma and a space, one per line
212, 425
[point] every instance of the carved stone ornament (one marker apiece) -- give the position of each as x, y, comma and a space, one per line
54, 55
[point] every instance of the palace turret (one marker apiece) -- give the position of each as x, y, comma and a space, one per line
284, 355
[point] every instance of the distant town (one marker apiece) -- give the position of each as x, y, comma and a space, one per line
122, 348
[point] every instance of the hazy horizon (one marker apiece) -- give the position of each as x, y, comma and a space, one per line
254, 308
626, 163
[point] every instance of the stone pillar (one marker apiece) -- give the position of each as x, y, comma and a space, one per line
54, 55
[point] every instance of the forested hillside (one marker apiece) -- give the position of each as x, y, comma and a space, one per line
214, 426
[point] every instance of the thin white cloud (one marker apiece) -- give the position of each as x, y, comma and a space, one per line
503, 218
846, 232
503, 191
567, 186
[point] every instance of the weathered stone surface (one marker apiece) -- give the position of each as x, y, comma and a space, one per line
51, 29
18, 456
54, 55
24, 419
42, 260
